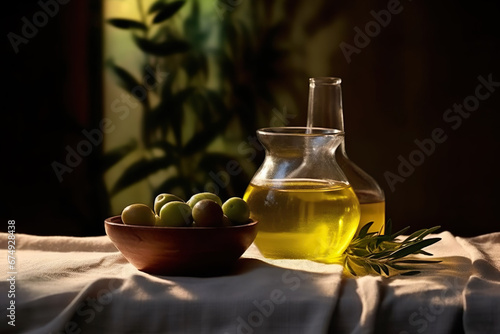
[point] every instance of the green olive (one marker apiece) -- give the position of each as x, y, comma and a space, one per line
207, 213
138, 214
163, 199
201, 196
237, 210
175, 214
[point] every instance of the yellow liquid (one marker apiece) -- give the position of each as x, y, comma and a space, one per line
372, 212
303, 219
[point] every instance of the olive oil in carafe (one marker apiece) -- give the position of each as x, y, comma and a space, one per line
371, 211
303, 218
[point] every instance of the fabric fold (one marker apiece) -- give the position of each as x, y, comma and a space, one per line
482, 291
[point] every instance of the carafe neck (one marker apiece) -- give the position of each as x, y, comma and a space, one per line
325, 103
300, 153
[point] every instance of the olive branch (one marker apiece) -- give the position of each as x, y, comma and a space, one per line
386, 254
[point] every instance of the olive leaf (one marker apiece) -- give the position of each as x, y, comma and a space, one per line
126, 80
127, 24
165, 10
166, 48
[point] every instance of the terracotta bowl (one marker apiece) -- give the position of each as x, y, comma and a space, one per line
181, 251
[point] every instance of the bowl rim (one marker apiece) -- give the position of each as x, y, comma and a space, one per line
110, 221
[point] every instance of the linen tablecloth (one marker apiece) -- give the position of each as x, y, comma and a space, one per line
84, 285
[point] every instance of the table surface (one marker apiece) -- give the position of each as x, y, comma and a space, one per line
84, 285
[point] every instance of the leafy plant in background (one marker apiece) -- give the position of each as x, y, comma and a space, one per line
164, 141
251, 68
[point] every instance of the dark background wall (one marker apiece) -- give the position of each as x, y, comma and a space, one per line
51, 92
397, 89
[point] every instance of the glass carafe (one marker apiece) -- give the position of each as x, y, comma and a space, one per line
325, 110
305, 206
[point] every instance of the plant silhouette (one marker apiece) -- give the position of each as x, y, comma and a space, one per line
212, 95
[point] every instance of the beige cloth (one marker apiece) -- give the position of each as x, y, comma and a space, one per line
84, 285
